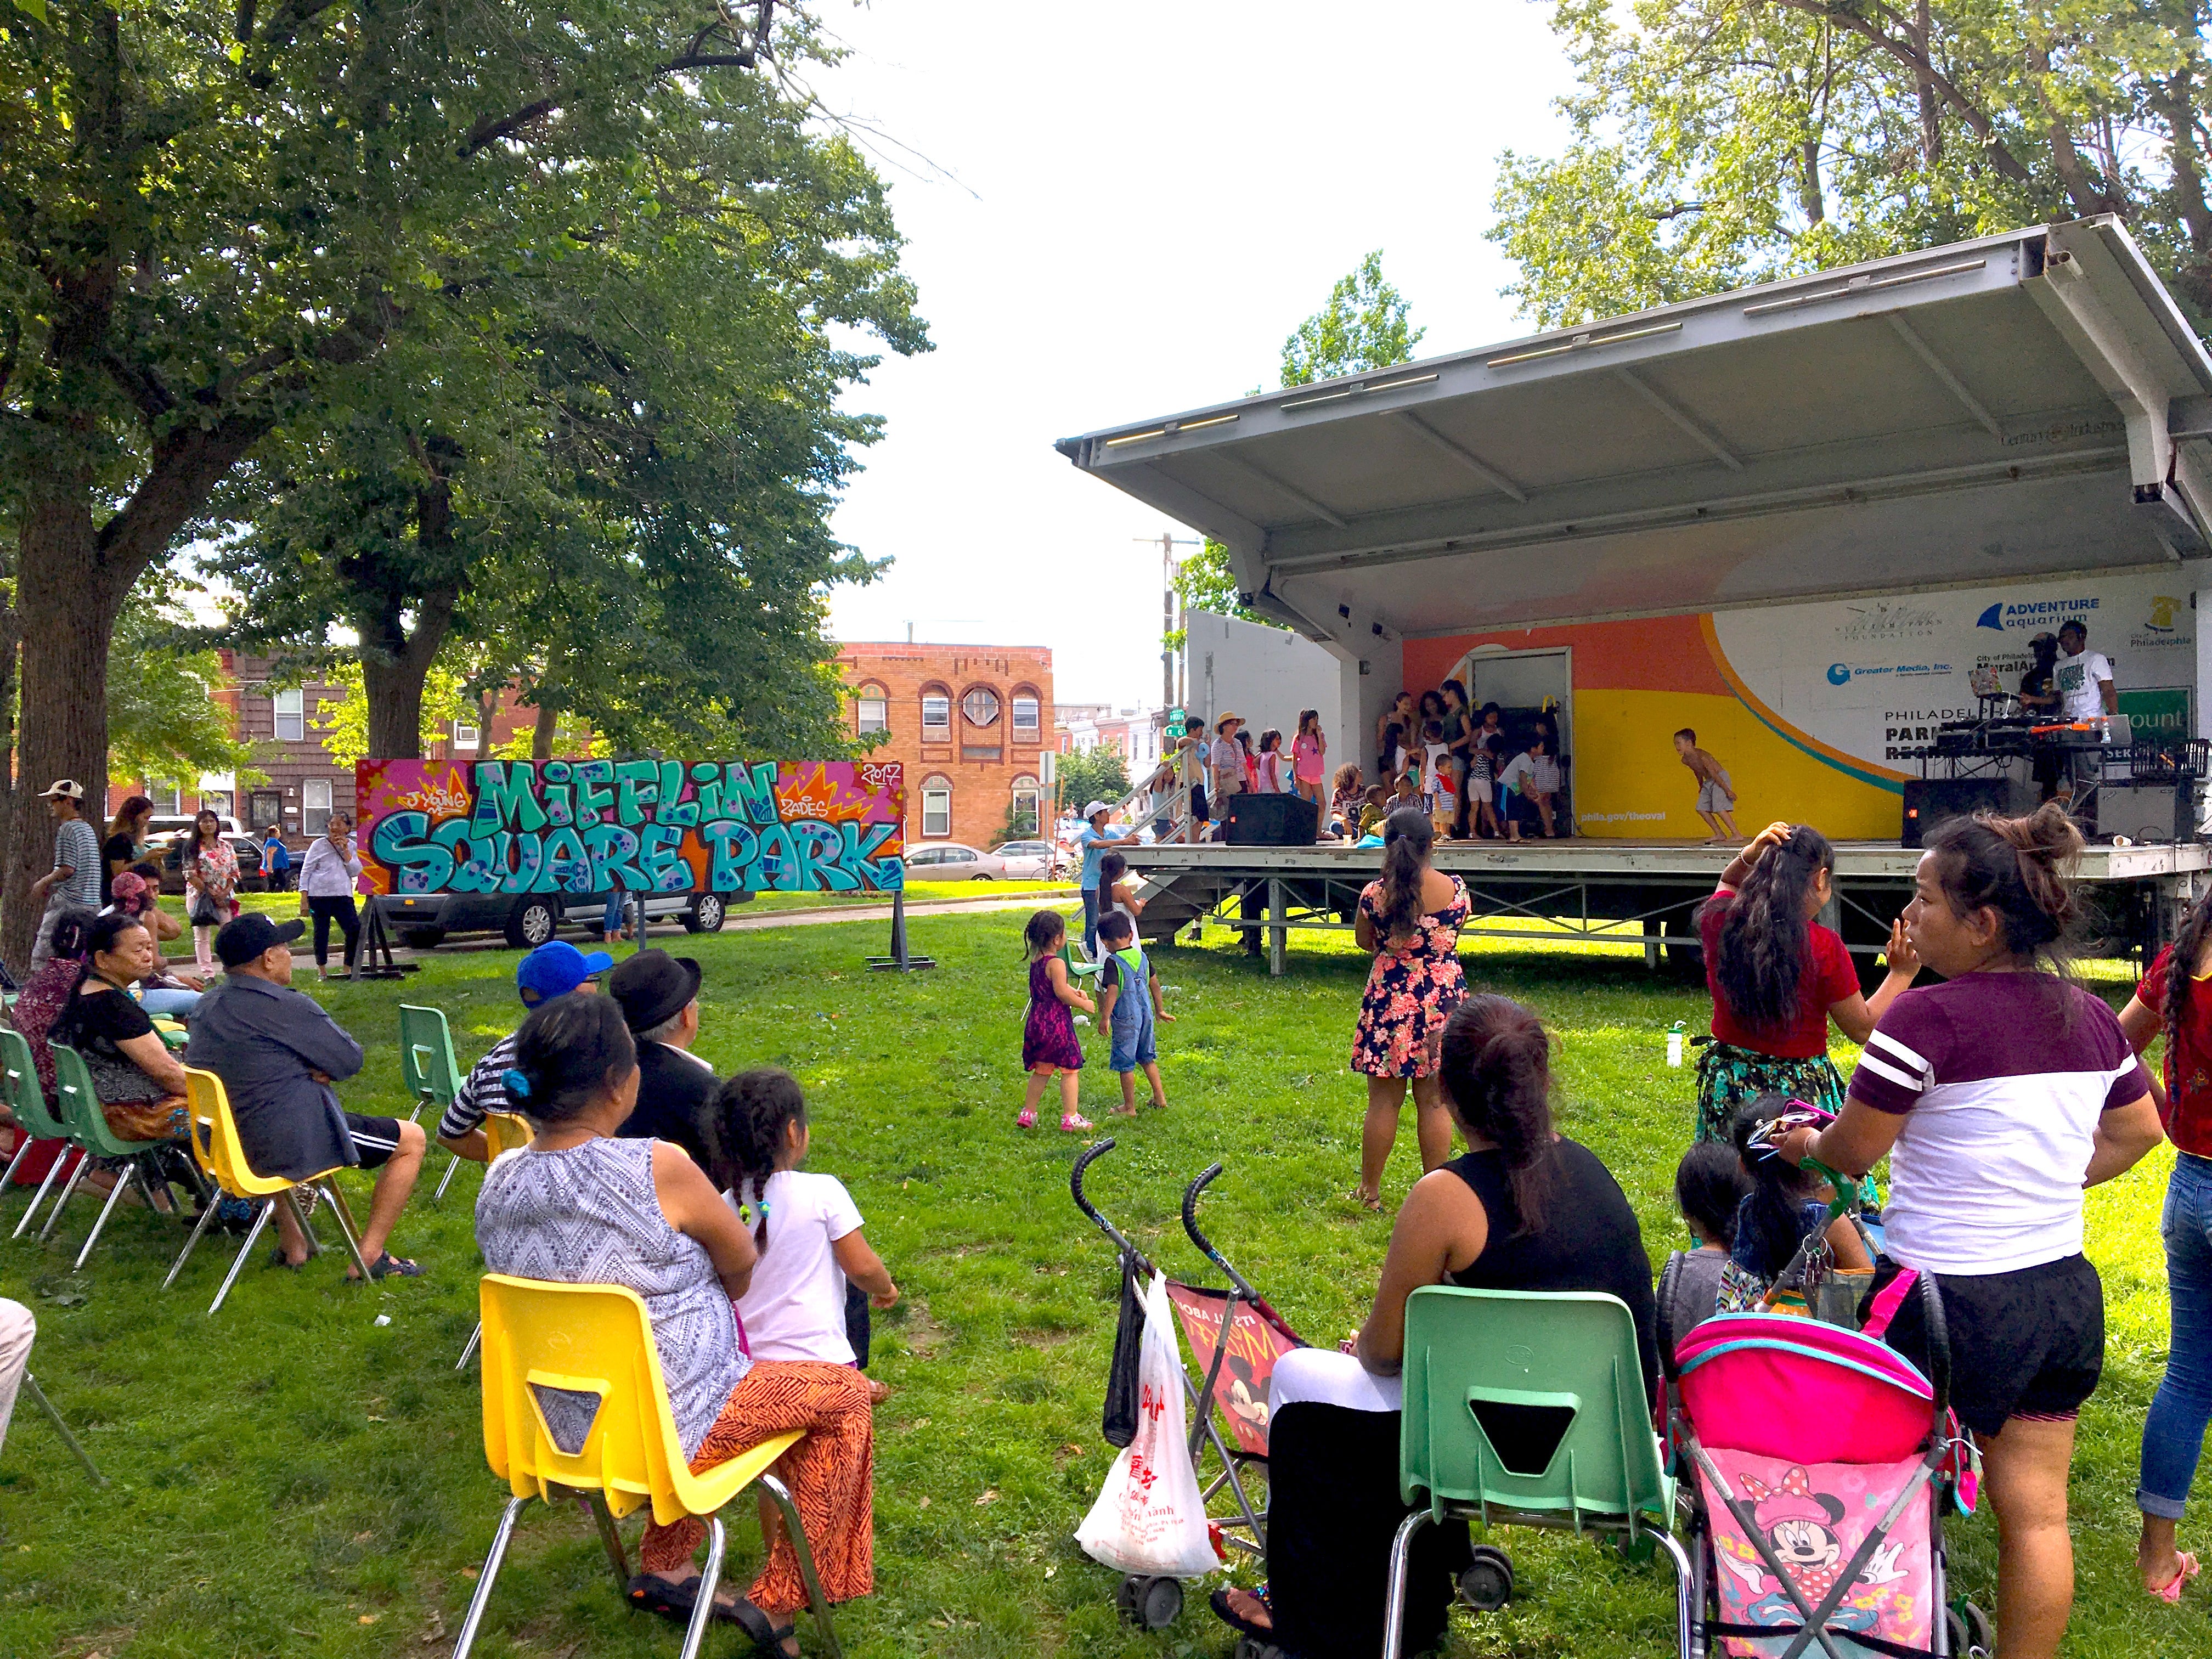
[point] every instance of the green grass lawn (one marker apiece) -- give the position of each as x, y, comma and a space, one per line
292, 1477
916, 891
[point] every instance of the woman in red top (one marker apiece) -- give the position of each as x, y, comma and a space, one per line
2176, 1003
1777, 977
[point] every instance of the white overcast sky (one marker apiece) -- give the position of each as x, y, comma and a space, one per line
1141, 203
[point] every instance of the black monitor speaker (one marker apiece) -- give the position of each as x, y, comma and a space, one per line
2143, 811
1929, 802
1255, 820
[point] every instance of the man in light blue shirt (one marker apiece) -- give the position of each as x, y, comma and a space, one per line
1091, 841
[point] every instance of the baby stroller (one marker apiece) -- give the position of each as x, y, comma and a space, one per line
1823, 1459
1256, 1336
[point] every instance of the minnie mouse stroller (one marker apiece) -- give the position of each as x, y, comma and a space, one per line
1236, 1337
1823, 1461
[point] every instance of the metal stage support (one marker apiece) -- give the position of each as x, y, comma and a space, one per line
900, 961
1598, 893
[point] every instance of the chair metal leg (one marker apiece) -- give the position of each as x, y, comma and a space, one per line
21, 1152
290, 1200
482, 1597
53, 1170
797, 1532
83, 1163
1394, 1602
453, 1163
199, 1227
131, 1172
469, 1352
1685, 1596
703, 1610
330, 1187
596, 1503
38, 1399
253, 1237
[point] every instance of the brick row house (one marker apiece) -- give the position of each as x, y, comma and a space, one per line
969, 723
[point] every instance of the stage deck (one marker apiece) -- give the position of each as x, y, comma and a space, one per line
1590, 891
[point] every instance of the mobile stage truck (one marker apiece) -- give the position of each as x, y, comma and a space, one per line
1813, 521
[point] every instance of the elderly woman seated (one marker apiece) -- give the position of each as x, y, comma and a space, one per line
580, 1206
1524, 1209
140, 1083
137, 892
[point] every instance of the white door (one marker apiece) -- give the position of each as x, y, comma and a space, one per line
1524, 679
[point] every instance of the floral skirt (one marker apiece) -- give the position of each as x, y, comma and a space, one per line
1729, 1076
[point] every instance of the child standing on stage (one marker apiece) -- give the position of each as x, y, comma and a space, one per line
1715, 793
806, 1226
1048, 1044
1308, 756
1128, 1006
1436, 774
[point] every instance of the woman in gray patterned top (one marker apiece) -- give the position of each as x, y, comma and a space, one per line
579, 1206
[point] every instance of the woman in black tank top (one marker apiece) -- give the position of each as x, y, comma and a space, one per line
1525, 1209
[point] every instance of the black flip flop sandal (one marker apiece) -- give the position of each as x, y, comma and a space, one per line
768, 1636
674, 1603
277, 1260
388, 1265
1236, 1621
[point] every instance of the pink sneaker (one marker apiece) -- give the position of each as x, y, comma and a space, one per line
1027, 1120
1074, 1122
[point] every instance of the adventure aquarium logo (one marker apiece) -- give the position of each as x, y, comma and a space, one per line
2035, 614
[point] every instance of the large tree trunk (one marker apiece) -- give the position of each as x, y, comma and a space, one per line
541, 735
10, 636
396, 661
67, 595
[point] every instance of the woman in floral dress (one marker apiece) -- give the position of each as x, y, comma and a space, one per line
1411, 920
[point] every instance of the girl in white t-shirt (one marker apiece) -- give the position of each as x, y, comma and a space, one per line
806, 1226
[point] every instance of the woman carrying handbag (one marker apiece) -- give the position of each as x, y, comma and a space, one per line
210, 886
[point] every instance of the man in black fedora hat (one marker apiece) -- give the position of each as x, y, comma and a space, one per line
659, 995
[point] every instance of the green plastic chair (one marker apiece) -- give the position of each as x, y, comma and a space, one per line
1527, 1408
87, 1127
426, 1062
26, 1099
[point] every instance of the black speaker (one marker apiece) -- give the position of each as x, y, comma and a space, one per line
2145, 811
1932, 801
1250, 820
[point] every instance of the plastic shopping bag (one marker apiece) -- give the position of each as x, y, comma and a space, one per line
1149, 1516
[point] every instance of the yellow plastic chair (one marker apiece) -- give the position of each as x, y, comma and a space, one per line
216, 1149
590, 1346
503, 1132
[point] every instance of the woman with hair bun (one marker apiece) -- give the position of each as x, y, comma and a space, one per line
1410, 918
582, 1206
1523, 1209
1777, 977
1998, 1095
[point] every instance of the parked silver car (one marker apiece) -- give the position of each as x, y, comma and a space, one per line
953, 860
1027, 860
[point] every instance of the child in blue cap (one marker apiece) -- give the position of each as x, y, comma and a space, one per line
1128, 1006
555, 969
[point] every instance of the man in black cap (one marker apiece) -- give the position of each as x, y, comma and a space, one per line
660, 998
277, 1053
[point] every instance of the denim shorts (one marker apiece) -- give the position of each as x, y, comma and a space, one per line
1132, 1048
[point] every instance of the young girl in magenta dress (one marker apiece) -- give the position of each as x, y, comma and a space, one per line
1048, 1044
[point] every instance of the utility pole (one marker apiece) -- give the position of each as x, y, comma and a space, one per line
1169, 542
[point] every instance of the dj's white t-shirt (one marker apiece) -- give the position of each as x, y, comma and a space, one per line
794, 1308
2076, 679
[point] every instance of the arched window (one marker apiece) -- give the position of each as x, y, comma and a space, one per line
1023, 818
870, 709
980, 706
936, 713
1025, 714
936, 807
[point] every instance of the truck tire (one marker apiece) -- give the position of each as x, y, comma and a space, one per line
531, 922
707, 914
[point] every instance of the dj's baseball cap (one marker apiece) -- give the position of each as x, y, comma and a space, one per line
245, 937
554, 969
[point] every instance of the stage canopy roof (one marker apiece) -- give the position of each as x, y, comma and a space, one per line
2028, 405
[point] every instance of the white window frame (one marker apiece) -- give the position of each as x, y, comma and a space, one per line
939, 703
168, 799
1026, 791
466, 735
936, 809
997, 707
314, 812
289, 708
871, 711
1026, 729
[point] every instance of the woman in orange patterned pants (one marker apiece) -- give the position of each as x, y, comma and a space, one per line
831, 1474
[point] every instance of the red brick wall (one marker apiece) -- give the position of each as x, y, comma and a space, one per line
979, 764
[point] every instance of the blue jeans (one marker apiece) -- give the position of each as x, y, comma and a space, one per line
162, 1000
2174, 1433
614, 920
1090, 922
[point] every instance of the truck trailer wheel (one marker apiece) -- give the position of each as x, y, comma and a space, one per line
530, 923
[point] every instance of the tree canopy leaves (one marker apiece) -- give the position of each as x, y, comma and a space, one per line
1723, 143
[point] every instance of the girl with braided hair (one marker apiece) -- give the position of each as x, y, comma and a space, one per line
2175, 1001
1525, 1208
806, 1226
1777, 977
1997, 1095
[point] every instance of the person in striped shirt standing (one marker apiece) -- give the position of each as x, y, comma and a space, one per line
1997, 1097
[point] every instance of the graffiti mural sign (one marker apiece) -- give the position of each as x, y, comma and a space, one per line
643, 826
